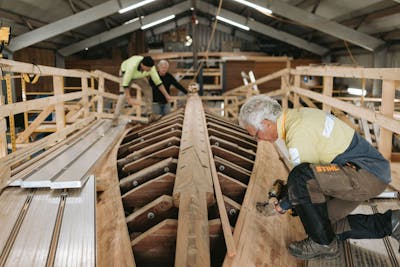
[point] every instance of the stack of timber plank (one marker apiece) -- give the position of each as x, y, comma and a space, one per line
48, 211
44, 227
67, 166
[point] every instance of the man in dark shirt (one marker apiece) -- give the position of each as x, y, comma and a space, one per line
160, 104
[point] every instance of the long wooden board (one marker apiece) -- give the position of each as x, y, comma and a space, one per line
260, 240
75, 176
112, 239
43, 177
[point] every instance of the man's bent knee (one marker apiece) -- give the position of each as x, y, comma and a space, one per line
299, 181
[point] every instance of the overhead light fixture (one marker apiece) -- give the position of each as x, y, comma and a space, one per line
188, 41
133, 20
263, 10
157, 22
356, 91
241, 26
128, 8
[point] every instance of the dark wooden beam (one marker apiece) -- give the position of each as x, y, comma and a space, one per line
232, 157
172, 141
151, 172
239, 141
232, 147
232, 170
232, 188
150, 190
135, 166
151, 214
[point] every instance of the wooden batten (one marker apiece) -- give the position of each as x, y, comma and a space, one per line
151, 214
156, 245
382, 120
135, 179
149, 132
144, 136
349, 72
226, 124
387, 109
232, 170
222, 129
231, 204
147, 192
224, 220
126, 150
48, 141
327, 90
172, 141
232, 157
233, 139
233, 147
232, 188
151, 159
162, 124
28, 166
23, 136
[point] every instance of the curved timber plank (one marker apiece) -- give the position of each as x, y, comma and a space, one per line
112, 239
261, 240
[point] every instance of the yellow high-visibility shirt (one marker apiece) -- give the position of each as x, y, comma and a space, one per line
313, 136
130, 67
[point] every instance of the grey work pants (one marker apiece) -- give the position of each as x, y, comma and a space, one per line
342, 188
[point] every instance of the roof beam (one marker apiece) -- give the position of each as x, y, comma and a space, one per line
202, 21
264, 29
324, 25
68, 23
123, 29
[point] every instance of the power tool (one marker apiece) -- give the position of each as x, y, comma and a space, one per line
278, 190
277, 194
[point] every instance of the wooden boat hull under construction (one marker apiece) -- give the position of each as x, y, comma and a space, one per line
173, 208
180, 191
180, 218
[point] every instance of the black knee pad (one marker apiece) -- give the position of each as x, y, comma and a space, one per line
297, 184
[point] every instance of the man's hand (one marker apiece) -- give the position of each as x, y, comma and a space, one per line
169, 99
279, 209
133, 102
270, 208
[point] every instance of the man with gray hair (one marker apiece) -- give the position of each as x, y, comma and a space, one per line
334, 170
160, 103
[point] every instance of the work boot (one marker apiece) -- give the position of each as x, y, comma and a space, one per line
154, 117
308, 249
396, 225
114, 122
